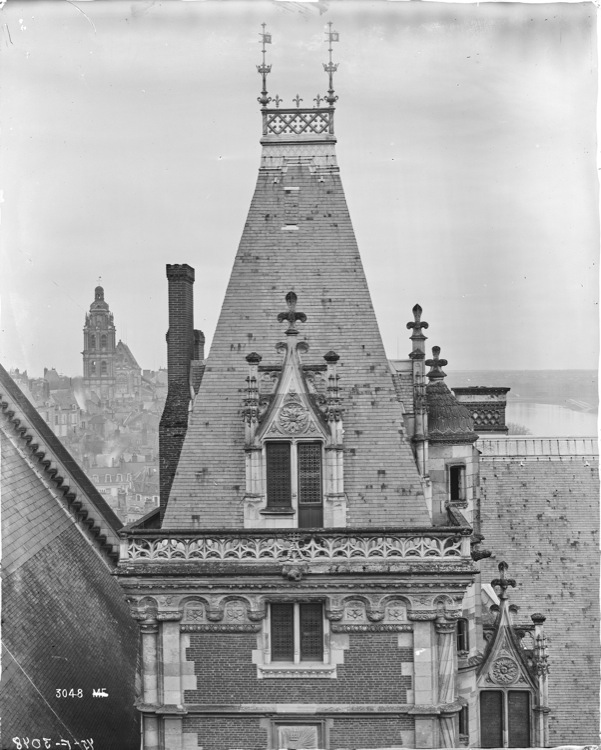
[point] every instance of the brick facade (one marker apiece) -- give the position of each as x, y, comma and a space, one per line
252, 733
225, 733
368, 732
372, 673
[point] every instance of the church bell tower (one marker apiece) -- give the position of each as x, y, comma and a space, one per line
99, 348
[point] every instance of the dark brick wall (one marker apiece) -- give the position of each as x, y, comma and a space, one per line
542, 518
224, 733
182, 346
366, 732
65, 625
371, 673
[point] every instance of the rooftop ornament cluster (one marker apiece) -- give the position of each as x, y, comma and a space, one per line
330, 68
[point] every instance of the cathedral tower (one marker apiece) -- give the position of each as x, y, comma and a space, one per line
99, 348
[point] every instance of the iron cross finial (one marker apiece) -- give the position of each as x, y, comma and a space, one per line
264, 69
436, 364
292, 315
330, 67
503, 583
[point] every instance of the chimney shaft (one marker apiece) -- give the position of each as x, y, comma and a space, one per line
180, 337
180, 352
199, 345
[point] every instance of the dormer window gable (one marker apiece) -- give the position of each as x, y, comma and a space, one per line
293, 438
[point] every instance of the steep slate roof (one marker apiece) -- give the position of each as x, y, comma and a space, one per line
65, 618
25, 428
555, 557
316, 256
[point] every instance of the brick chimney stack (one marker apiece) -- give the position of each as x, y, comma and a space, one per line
182, 348
180, 336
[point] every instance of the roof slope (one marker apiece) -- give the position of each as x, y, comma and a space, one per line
65, 619
298, 237
541, 515
38, 445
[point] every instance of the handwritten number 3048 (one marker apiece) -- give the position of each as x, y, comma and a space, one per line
63, 693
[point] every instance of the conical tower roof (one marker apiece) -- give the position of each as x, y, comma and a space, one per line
298, 237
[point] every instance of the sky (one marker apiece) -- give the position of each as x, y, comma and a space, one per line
466, 143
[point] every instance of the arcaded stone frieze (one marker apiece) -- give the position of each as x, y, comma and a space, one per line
296, 546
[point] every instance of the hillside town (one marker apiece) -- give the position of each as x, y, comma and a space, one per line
108, 419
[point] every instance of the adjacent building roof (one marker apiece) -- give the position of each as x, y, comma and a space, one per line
554, 484
25, 429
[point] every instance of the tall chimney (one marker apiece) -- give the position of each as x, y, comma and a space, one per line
180, 352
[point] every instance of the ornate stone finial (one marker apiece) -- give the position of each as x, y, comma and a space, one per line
537, 618
417, 337
297, 100
292, 315
330, 68
331, 357
253, 358
277, 101
503, 583
417, 323
436, 364
318, 100
264, 69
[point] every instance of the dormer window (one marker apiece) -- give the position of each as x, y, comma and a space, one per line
294, 480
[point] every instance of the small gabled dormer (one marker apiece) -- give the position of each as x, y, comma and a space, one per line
293, 437
512, 682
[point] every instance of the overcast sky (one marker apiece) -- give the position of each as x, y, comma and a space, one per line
466, 141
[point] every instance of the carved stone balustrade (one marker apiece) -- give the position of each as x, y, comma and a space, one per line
336, 546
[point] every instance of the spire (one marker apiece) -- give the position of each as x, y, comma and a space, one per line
331, 67
436, 364
417, 337
264, 69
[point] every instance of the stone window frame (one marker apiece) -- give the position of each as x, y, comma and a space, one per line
266, 668
293, 442
461, 500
